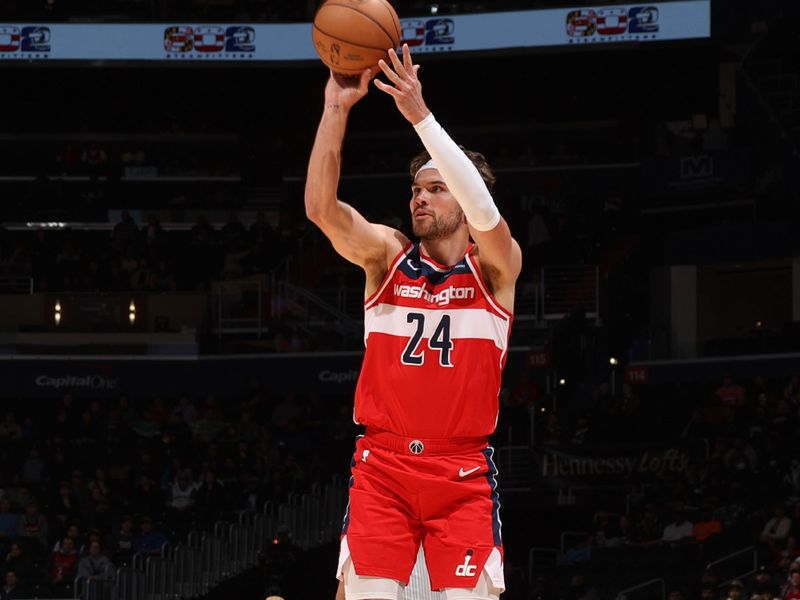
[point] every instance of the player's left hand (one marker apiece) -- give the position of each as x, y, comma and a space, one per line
407, 89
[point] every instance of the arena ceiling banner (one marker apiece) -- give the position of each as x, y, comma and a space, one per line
290, 42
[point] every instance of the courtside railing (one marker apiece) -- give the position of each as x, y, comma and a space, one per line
654, 589
206, 559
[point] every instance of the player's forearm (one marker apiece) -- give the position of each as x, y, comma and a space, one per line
460, 175
324, 164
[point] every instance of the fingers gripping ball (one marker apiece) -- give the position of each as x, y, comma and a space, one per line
353, 35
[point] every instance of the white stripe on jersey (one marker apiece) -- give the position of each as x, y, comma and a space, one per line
465, 323
419, 585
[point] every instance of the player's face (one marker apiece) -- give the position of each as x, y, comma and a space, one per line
435, 214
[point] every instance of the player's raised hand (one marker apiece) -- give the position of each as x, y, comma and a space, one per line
406, 89
344, 91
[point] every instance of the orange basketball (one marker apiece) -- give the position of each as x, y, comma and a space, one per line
352, 35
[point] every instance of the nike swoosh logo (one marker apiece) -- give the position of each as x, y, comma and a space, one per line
410, 264
463, 473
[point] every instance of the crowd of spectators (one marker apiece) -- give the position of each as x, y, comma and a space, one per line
743, 492
87, 484
144, 257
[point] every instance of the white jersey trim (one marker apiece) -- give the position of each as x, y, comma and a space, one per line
490, 299
465, 323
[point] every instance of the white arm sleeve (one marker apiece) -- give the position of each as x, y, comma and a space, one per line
460, 175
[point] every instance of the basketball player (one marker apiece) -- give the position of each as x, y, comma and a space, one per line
438, 314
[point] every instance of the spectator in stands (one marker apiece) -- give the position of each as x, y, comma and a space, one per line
10, 431
161, 278
735, 590
553, 434
788, 551
537, 231
679, 530
248, 429
33, 467
73, 532
121, 545
186, 408
628, 402
125, 234
580, 590
208, 426
602, 398
212, 495
741, 456
784, 421
11, 589
182, 492
147, 498
64, 564
709, 526
777, 528
33, 524
17, 493
610, 530
202, 232
64, 507
94, 160
99, 516
581, 432
153, 236
95, 565
286, 410
9, 521
148, 425
19, 561
648, 529
708, 592
149, 540
578, 553
730, 394
763, 583
792, 390
791, 589
233, 232
263, 243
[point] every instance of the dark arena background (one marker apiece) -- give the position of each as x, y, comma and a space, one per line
179, 345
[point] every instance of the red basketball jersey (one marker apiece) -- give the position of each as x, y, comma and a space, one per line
436, 344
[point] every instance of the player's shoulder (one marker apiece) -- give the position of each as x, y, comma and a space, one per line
395, 241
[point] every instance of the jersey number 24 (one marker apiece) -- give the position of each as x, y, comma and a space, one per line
440, 341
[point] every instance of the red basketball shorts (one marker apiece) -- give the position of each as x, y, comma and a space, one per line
440, 493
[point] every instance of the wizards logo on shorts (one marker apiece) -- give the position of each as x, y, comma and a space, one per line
430, 33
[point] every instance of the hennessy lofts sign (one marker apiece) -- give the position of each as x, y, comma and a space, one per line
617, 465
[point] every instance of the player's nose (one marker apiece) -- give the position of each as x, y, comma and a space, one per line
421, 199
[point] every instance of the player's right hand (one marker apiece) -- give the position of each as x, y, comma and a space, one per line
344, 91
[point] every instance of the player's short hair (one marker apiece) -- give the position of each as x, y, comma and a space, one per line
478, 159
